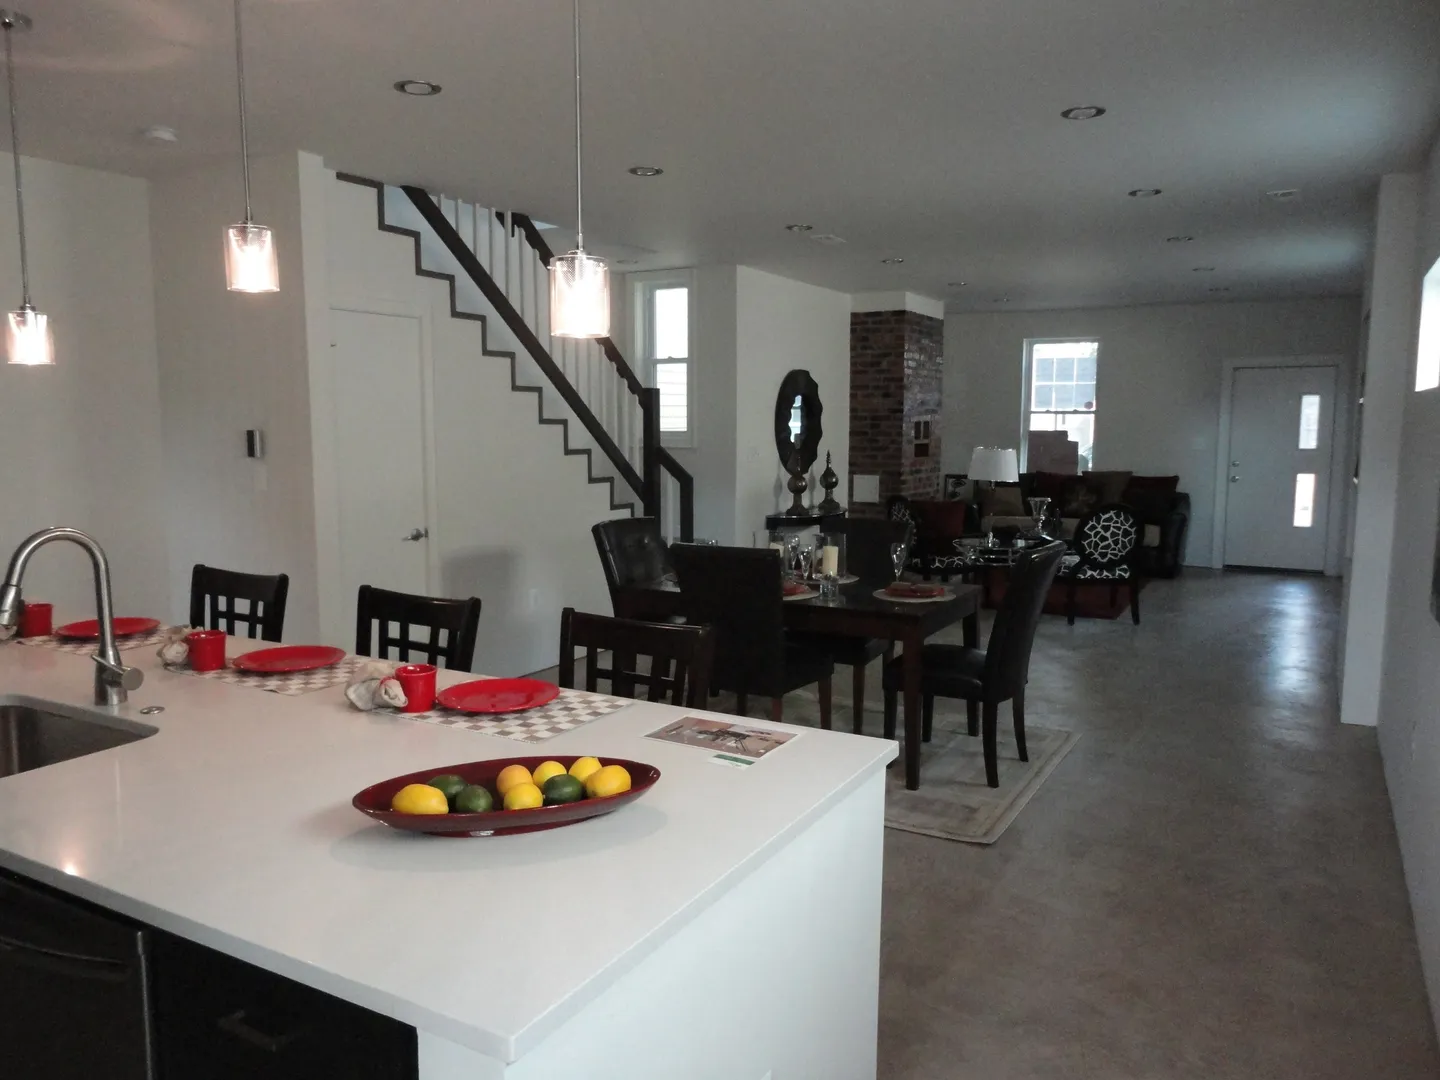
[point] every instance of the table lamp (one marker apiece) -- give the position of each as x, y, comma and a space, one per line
995, 465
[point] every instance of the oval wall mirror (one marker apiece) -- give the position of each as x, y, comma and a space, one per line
797, 417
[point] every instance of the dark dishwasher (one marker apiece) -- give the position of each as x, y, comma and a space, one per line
73, 989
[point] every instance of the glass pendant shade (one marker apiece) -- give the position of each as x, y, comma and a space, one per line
27, 338
250, 262
579, 296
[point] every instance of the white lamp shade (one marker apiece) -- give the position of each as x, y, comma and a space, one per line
250, 261
994, 464
27, 338
579, 296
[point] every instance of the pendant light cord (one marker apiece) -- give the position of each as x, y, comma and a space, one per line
244, 131
579, 181
15, 153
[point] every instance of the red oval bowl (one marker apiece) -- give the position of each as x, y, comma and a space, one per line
374, 801
89, 629
498, 695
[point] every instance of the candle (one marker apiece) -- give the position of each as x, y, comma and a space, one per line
830, 561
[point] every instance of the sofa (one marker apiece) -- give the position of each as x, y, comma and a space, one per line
1163, 509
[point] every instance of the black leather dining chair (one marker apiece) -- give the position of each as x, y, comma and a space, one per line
986, 678
458, 621
213, 593
737, 593
632, 553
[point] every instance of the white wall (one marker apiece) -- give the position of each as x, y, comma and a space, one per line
1410, 688
513, 513
81, 440
783, 325
1159, 380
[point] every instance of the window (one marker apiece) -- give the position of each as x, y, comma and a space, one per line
1304, 500
1060, 392
662, 331
1427, 361
1309, 421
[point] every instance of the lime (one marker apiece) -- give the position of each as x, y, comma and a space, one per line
523, 797
420, 799
544, 771
510, 776
474, 799
582, 768
449, 783
563, 789
610, 780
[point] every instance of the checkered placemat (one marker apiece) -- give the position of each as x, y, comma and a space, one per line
70, 645
293, 684
572, 709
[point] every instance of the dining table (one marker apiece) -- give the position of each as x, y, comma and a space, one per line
856, 612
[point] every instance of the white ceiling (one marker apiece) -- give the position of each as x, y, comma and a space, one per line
924, 129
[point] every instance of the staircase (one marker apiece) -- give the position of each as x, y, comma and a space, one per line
497, 263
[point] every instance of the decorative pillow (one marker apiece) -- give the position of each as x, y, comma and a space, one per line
1079, 497
1049, 485
1003, 500
1111, 484
1159, 485
1149, 506
941, 519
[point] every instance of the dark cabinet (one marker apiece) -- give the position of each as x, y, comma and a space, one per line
223, 1019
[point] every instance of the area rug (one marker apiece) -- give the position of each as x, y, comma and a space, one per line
954, 802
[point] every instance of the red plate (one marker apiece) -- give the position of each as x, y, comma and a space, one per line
285, 659
794, 588
498, 696
374, 801
89, 629
914, 589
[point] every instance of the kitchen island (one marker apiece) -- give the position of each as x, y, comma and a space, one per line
725, 926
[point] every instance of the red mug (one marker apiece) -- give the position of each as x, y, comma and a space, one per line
35, 619
418, 682
207, 649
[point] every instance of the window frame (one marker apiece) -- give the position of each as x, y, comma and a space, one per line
1027, 392
643, 287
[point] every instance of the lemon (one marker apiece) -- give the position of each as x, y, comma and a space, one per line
545, 770
510, 776
523, 797
420, 799
582, 768
609, 780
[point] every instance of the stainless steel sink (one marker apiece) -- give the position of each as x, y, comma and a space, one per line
35, 733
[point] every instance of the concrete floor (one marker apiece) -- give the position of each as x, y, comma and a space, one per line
1208, 886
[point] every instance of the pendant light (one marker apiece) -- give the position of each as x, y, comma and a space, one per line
27, 331
579, 283
250, 262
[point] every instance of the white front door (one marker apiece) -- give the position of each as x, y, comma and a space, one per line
1278, 481
379, 444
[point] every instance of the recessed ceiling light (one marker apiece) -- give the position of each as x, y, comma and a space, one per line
626, 262
1001, 300
417, 87
955, 284
160, 133
1178, 239
1202, 269
828, 239
1144, 193
1219, 288
1083, 112
894, 260
644, 170
1281, 194
799, 228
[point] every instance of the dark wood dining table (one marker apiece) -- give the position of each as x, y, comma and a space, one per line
856, 612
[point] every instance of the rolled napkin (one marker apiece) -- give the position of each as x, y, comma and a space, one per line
374, 686
174, 651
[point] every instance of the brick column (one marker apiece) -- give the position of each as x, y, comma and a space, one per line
896, 374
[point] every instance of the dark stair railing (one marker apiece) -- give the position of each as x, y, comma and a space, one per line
655, 458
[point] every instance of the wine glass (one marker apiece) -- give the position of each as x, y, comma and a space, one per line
805, 561
899, 551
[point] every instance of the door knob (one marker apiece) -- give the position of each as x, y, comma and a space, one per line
1234, 464
416, 534
1233, 480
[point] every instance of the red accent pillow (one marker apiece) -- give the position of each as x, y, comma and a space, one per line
1159, 485
1049, 485
942, 519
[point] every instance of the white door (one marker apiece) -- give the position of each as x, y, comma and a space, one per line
1278, 481
379, 443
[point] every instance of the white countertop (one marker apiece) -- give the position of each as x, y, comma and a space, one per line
233, 827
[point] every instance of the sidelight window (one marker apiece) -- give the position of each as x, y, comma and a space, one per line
1304, 500
1309, 421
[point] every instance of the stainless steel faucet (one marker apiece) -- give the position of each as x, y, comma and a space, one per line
113, 680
